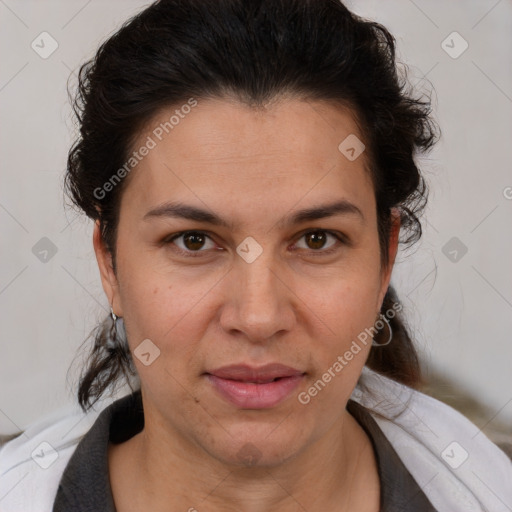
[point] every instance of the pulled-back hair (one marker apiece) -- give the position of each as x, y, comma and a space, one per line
254, 51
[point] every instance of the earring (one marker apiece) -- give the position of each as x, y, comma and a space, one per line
117, 339
381, 319
113, 329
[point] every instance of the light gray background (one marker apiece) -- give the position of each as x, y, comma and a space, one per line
461, 312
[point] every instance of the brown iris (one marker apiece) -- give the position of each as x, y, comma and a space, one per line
318, 238
193, 241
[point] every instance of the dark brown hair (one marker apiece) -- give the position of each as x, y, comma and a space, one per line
255, 51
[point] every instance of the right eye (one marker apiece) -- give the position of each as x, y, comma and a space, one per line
190, 242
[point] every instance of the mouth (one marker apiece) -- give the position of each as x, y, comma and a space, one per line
255, 388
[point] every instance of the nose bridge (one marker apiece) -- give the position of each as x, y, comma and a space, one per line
258, 276
258, 279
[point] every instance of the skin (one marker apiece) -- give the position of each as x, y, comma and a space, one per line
292, 305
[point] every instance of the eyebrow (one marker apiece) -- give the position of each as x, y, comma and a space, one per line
183, 211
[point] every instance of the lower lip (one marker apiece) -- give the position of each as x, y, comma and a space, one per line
248, 395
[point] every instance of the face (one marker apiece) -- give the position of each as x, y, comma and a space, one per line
262, 285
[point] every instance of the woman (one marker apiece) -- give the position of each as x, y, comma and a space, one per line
249, 167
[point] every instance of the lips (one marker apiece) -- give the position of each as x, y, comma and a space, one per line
255, 388
263, 374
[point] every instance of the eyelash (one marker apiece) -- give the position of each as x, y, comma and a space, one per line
194, 254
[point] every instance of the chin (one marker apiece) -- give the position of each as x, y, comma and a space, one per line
253, 451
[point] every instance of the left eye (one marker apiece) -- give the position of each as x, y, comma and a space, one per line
318, 238
194, 242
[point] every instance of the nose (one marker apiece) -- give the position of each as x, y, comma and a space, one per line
260, 304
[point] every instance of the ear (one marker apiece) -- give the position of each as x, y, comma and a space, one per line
108, 277
392, 251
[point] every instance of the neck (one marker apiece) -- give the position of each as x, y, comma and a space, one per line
162, 471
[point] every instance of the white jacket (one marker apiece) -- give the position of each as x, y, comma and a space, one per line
458, 468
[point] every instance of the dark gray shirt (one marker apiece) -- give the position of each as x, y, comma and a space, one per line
85, 485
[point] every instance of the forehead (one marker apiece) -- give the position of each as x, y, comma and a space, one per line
222, 152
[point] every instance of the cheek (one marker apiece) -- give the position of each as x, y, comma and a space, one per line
156, 297
345, 309
345, 313
158, 306
347, 316
154, 313
346, 299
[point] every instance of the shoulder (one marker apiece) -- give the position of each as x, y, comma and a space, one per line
32, 463
458, 467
